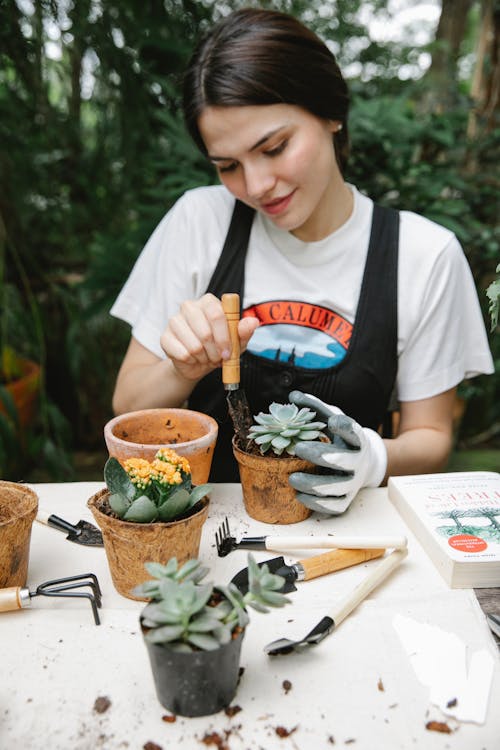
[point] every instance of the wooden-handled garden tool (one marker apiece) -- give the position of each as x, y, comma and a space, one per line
19, 597
82, 532
328, 623
239, 410
309, 567
226, 543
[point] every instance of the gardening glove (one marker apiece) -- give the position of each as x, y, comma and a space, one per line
356, 457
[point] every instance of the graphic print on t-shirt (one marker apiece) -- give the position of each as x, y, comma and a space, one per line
299, 333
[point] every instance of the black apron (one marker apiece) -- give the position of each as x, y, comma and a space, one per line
361, 384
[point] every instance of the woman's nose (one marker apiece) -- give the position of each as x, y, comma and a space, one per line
258, 182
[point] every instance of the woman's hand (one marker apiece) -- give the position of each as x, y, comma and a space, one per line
196, 340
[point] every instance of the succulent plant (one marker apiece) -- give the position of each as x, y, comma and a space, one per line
143, 492
186, 615
283, 427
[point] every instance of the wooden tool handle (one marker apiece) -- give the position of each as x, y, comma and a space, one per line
11, 598
319, 565
231, 366
381, 570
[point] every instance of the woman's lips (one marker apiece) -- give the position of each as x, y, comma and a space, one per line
278, 205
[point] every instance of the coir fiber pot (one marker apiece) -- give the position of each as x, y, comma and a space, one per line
18, 509
129, 545
196, 683
267, 495
140, 434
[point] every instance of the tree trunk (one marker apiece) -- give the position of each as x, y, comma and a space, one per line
442, 73
485, 88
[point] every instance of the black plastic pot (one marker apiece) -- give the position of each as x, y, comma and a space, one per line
198, 683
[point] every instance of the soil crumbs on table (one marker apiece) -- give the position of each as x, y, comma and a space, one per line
232, 710
438, 726
214, 738
169, 718
101, 704
283, 732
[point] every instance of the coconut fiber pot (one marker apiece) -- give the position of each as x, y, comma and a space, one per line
18, 509
129, 545
140, 434
197, 683
267, 495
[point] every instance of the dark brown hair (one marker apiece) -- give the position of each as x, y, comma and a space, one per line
258, 57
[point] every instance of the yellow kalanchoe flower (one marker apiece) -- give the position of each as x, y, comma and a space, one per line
165, 473
167, 455
167, 468
139, 471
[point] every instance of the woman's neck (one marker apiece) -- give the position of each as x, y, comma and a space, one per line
337, 207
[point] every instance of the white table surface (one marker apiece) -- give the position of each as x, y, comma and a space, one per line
56, 662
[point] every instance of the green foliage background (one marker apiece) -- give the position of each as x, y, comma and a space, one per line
93, 152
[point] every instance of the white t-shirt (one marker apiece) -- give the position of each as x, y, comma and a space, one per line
294, 284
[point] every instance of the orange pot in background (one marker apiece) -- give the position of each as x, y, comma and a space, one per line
24, 391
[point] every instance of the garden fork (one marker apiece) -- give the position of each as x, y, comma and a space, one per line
226, 543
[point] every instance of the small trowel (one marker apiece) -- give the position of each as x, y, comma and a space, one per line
82, 532
310, 567
239, 410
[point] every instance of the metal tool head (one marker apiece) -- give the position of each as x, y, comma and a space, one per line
86, 533
65, 587
277, 566
239, 411
224, 541
284, 646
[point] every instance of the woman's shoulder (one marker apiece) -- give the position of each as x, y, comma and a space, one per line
418, 229
202, 211
211, 200
424, 242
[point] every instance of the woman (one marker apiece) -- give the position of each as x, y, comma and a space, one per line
344, 302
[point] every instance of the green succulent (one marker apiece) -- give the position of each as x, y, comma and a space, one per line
283, 427
152, 501
186, 615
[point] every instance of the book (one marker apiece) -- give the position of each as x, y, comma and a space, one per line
456, 518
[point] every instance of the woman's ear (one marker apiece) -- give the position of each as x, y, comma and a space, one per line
335, 126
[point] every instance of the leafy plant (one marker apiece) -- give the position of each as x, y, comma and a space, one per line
186, 615
493, 294
283, 427
161, 490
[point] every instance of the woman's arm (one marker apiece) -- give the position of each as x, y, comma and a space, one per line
196, 340
424, 438
147, 382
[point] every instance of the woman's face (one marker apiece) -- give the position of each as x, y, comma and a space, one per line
280, 160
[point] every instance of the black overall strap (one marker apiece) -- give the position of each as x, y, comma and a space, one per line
374, 343
209, 396
229, 273
378, 297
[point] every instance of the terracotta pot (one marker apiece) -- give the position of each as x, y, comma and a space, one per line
18, 508
129, 545
24, 391
264, 483
199, 683
141, 434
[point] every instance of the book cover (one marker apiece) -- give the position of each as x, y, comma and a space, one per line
456, 518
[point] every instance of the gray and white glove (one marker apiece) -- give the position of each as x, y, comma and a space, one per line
356, 456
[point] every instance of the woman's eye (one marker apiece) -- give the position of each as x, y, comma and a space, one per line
277, 149
227, 167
